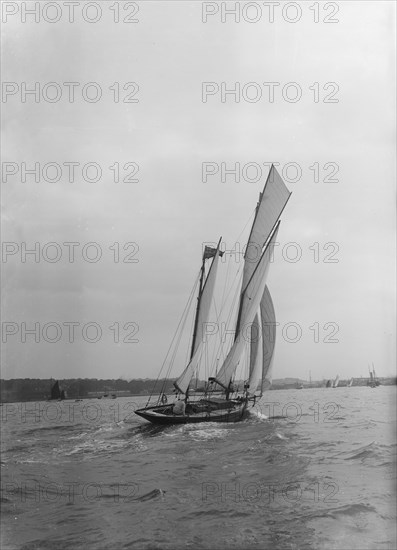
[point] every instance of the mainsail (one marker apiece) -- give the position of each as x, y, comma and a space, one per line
250, 300
203, 309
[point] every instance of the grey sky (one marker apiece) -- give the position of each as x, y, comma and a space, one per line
170, 212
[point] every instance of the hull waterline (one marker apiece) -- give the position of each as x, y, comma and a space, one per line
156, 416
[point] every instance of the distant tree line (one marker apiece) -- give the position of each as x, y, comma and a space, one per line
36, 389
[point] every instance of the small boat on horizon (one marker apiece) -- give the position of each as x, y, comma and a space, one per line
373, 382
57, 392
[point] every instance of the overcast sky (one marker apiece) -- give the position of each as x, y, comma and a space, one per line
169, 133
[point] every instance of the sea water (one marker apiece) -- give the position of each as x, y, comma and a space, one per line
310, 468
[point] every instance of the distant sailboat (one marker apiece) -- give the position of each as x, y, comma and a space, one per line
222, 400
349, 385
373, 382
56, 392
336, 382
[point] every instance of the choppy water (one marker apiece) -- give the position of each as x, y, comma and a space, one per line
316, 470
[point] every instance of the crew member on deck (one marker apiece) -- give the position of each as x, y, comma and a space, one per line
179, 407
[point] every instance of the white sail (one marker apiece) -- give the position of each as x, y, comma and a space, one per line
271, 204
268, 319
336, 381
250, 300
261, 360
256, 355
183, 381
205, 300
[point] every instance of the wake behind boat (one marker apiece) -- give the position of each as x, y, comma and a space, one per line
222, 399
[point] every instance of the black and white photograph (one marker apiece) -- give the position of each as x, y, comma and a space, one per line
198, 267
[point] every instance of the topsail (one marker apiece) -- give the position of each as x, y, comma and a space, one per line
268, 318
270, 206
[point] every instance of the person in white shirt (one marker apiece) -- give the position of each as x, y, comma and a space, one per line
179, 407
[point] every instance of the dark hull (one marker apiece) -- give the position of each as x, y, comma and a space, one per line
157, 415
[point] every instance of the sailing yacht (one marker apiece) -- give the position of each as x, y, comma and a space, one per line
373, 382
56, 392
222, 399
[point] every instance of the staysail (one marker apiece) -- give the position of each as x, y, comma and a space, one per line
268, 338
262, 348
256, 354
202, 313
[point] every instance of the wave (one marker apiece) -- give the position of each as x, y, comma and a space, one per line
346, 510
57, 428
371, 452
257, 415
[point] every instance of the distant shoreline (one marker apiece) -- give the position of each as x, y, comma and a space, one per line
37, 390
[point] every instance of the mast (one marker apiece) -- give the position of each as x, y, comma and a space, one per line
204, 302
202, 272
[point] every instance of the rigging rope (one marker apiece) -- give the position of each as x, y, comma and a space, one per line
178, 328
